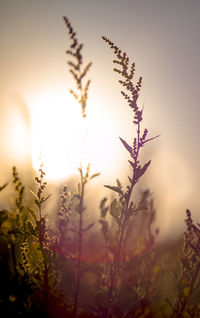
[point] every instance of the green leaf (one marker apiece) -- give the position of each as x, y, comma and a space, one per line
114, 209
114, 189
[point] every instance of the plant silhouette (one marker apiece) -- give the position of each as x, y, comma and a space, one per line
45, 269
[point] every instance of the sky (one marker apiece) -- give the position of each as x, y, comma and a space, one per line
161, 37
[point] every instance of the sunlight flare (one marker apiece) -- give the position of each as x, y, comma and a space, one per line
64, 139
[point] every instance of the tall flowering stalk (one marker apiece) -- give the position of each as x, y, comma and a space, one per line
79, 72
124, 208
77, 69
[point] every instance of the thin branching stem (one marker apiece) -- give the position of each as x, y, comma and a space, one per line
77, 69
42, 231
122, 227
191, 288
123, 210
80, 242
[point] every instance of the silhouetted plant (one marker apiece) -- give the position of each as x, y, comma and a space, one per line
14, 233
77, 69
42, 236
186, 303
124, 208
81, 230
43, 270
81, 95
72, 230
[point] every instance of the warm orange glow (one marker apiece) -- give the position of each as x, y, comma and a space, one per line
14, 131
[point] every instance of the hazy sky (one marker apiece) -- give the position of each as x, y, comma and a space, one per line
162, 37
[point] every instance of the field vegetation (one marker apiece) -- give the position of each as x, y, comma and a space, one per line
72, 270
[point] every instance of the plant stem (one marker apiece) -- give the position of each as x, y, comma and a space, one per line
117, 255
80, 241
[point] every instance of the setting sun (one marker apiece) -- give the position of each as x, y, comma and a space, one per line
63, 139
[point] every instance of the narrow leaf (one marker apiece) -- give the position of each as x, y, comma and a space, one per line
37, 203
47, 197
141, 171
114, 189
3, 187
88, 227
33, 193
126, 145
151, 139
32, 214
132, 164
95, 175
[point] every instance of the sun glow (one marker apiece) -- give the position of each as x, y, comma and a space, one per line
63, 139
